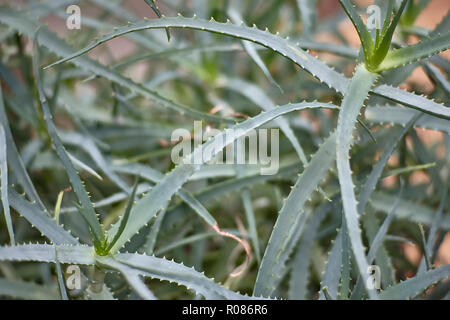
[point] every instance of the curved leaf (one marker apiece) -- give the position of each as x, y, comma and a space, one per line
158, 197
291, 217
410, 288
357, 92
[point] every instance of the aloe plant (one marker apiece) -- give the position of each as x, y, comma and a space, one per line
75, 133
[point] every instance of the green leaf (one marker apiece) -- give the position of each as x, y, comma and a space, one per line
259, 97
401, 116
387, 20
126, 216
422, 50
39, 219
382, 49
219, 190
73, 254
330, 278
80, 165
413, 101
344, 289
163, 269
377, 243
412, 287
154, 230
15, 161
88, 210
291, 217
4, 185
148, 206
363, 33
360, 85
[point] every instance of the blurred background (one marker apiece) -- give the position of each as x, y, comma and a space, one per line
277, 15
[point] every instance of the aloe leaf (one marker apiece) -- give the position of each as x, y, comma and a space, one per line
39, 219
266, 39
290, 218
387, 19
15, 161
158, 197
80, 165
423, 49
171, 271
73, 254
233, 185
377, 243
412, 100
330, 278
259, 97
410, 288
397, 115
255, 94
382, 49
4, 185
60, 277
357, 92
314, 66
364, 35
126, 216
344, 289
301, 260
88, 210
371, 226
153, 234
27, 290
